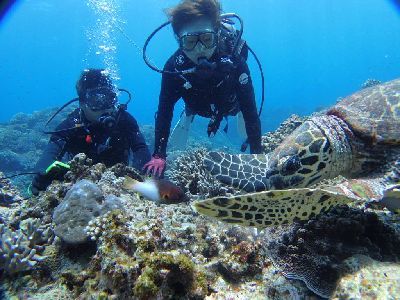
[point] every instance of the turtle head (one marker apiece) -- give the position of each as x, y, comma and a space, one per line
301, 159
282, 172
317, 149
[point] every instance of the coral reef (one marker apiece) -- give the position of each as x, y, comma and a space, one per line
8, 194
22, 139
393, 174
149, 251
315, 252
368, 279
246, 259
141, 250
10, 161
20, 250
187, 171
129, 262
370, 82
177, 272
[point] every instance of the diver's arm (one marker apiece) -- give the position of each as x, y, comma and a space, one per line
137, 143
246, 98
169, 95
54, 150
56, 147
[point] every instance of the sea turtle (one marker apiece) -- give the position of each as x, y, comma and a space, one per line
354, 138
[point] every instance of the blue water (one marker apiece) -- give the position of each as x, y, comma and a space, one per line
312, 51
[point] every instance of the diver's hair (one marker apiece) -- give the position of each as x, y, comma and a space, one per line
188, 10
92, 78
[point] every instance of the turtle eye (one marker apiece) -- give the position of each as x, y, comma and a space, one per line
290, 165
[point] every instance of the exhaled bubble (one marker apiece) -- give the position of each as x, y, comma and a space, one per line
101, 36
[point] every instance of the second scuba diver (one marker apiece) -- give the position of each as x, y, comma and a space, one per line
101, 128
209, 71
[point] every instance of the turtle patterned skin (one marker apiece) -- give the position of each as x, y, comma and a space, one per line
355, 136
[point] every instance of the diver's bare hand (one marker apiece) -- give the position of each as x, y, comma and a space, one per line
155, 166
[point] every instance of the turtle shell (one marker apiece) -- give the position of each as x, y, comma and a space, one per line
373, 113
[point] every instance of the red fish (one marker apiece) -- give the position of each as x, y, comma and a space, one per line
158, 190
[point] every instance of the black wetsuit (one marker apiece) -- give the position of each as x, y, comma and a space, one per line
108, 146
213, 93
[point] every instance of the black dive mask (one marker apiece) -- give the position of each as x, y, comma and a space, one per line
107, 120
100, 98
189, 41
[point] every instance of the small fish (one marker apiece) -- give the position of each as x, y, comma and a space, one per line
158, 190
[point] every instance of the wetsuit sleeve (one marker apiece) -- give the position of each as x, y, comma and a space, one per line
246, 98
55, 149
137, 144
169, 95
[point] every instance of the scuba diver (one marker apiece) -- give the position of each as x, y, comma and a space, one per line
101, 128
209, 72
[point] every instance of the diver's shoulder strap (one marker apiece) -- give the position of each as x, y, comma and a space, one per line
228, 38
241, 50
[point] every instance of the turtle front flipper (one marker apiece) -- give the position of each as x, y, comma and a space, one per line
244, 171
271, 208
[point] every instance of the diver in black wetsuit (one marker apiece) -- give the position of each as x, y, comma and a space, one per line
101, 128
220, 84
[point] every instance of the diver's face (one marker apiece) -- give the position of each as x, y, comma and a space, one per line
93, 116
198, 39
97, 102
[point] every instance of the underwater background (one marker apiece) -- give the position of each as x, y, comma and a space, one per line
312, 52
88, 236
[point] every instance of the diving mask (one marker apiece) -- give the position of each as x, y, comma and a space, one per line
100, 98
189, 41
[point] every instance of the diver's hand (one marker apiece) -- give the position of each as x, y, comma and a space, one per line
39, 183
256, 148
155, 166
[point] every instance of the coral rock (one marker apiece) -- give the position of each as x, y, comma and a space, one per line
315, 251
20, 250
187, 171
368, 279
83, 202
